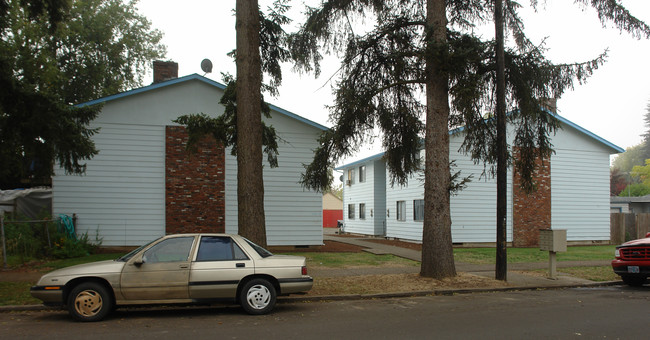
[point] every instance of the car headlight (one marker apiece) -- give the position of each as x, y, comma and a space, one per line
617, 253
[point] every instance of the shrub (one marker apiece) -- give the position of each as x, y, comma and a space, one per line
37, 240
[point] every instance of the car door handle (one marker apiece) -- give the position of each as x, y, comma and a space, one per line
184, 266
240, 265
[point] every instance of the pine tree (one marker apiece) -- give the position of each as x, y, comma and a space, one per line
260, 49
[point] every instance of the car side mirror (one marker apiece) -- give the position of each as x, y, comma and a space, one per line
648, 234
139, 260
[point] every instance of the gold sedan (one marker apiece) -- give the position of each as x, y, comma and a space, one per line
184, 268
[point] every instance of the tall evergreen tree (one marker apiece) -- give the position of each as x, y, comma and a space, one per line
385, 71
260, 50
607, 10
54, 54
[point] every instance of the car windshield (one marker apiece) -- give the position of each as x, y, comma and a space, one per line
261, 251
128, 256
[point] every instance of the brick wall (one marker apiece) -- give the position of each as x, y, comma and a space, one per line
532, 212
194, 185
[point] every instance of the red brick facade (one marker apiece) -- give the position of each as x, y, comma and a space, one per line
531, 212
194, 185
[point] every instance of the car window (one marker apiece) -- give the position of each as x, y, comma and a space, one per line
219, 248
130, 254
170, 250
261, 251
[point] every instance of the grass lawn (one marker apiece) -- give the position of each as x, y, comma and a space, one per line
363, 259
601, 273
17, 293
519, 255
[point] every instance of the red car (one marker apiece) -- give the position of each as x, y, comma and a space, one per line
633, 261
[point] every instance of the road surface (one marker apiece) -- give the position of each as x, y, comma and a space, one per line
616, 312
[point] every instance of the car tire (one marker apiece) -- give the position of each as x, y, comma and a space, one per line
89, 301
257, 296
634, 281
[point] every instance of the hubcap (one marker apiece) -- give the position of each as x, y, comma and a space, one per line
88, 303
258, 296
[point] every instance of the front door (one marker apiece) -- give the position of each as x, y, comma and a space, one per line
163, 273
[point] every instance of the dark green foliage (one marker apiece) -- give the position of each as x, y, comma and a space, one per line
273, 52
54, 54
635, 190
382, 81
28, 241
224, 127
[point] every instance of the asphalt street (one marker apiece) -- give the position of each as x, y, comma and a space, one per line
614, 312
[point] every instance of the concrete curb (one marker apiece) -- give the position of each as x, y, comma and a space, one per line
358, 297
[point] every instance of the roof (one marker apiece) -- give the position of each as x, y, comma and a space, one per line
633, 199
615, 148
194, 77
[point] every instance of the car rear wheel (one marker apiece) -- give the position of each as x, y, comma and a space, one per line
257, 297
634, 281
89, 301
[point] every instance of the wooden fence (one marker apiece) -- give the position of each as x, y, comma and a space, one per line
625, 227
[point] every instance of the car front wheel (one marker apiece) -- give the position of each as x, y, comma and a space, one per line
89, 301
257, 297
635, 281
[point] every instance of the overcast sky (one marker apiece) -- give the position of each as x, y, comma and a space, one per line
611, 104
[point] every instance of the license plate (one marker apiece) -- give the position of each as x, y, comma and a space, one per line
633, 269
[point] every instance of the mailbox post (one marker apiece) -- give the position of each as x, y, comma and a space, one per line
553, 241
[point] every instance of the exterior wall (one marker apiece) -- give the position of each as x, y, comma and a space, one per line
577, 198
379, 210
616, 208
332, 210
195, 187
332, 217
473, 210
580, 187
360, 193
331, 202
294, 216
122, 194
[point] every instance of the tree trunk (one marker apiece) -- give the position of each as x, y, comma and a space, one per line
250, 185
437, 251
501, 270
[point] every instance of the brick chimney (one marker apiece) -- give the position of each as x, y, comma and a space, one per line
164, 70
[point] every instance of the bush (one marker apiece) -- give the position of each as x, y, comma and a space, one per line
28, 241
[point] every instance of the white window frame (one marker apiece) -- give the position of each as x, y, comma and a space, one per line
362, 211
418, 207
401, 211
362, 174
350, 211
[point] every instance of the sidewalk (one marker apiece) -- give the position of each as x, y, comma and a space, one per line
515, 278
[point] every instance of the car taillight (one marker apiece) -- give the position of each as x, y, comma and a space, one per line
304, 270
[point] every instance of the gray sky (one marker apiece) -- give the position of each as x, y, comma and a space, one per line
611, 104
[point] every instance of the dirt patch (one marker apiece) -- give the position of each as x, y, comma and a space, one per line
392, 283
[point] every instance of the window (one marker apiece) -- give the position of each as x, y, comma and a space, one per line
351, 211
418, 210
362, 211
350, 176
175, 249
214, 248
401, 210
362, 174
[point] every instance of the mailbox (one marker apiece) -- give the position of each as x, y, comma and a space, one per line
553, 240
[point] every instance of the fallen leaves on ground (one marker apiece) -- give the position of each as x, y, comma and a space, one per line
397, 283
